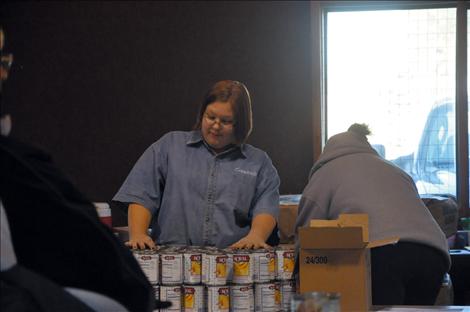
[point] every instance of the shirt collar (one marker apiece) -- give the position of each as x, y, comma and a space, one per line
196, 139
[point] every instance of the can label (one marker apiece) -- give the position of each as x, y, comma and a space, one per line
242, 298
192, 267
149, 263
267, 297
156, 291
171, 264
229, 266
285, 263
173, 295
193, 298
242, 268
214, 268
218, 298
287, 291
264, 266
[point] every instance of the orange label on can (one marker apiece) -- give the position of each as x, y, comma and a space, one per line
277, 295
196, 267
224, 302
221, 269
272, 264
288, 265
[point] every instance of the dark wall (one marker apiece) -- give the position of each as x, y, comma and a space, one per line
95, 83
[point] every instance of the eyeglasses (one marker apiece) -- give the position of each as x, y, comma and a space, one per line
221, 121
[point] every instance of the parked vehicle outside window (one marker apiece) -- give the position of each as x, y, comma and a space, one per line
433, 164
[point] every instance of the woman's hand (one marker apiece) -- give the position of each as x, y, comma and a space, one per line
251, 241
261, 227
141, 241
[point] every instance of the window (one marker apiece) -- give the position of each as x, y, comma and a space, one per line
394, 68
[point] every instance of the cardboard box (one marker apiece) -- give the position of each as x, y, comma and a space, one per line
445, 211
335, 257
287, 218
288, 205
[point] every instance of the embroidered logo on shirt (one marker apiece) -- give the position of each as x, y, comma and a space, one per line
242, 171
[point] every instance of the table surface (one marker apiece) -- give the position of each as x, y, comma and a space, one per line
422, 308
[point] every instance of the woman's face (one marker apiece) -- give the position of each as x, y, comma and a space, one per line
217, 126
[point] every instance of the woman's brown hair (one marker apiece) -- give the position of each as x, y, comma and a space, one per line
235, 93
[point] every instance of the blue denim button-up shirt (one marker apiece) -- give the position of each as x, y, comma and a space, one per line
192, 193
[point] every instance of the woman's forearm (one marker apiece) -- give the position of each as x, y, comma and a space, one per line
262, 225
138, 219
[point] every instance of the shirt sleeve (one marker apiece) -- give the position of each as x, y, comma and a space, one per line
267, 191
145, 183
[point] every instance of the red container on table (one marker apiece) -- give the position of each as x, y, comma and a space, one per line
104, 212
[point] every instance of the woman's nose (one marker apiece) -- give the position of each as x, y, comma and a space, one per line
216, 125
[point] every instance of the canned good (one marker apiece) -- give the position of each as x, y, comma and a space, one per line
288, 289
173, 295
174, 247
218, 298
229, 253
242, 298
194, 298
242, 267
214, 267
156, 291
148, 260
267, 297
285, 255
264, 261
171, 267
192, 264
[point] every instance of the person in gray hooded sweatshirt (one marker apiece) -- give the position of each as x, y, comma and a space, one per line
350, 177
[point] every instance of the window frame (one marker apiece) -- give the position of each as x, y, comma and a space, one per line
319, 11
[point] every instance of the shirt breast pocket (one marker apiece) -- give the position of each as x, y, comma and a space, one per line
242, 191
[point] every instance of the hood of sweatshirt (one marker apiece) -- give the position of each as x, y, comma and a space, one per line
342, 144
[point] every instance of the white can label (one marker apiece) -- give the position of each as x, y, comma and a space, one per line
171, 268
193, 298
267, 297
192, 268
287, 291
264, 266
285, 264
218, 298
173, 295
214, 269
149, 265
242, 298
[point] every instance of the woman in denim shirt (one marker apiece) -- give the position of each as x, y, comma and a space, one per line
205, 187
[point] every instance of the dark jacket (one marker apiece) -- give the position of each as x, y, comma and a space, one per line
57, 233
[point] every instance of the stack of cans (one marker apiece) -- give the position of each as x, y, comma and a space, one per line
210, 279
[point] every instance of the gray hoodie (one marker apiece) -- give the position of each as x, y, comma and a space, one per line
350, 177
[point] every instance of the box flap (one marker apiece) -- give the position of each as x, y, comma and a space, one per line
383, 242
361, 219
331, 237
323, 223
346, 220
